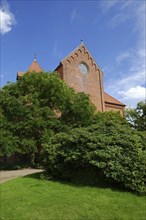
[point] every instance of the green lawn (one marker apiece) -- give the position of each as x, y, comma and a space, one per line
30, 198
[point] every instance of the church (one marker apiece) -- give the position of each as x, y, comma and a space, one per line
80, 71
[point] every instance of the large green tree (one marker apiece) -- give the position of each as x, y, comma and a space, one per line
137, 116
36, 107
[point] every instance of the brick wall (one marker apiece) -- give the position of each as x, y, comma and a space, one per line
90, 83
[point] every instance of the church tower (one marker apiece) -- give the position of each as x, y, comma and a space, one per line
34, 67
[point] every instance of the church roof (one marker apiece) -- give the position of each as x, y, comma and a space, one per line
111, 100
34, 67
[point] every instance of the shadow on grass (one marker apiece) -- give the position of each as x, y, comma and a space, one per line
104, 185
75, 183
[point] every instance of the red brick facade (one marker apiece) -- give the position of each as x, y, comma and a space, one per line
80, 71
89, 80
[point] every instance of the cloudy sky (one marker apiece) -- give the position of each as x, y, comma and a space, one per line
114, 31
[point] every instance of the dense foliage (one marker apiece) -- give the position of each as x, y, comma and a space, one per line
107, 149
40, 114
137, 117
36, 107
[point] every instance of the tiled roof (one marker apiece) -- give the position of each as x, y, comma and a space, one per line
34, 67
109, 99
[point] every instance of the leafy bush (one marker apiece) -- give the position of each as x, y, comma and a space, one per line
116, 153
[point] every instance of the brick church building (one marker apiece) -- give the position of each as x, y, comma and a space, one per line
81, 72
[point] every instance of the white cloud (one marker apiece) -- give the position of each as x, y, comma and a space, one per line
7, 19
128, 84
122, 56
133, 95
118, 19
127, 81
129, 68
134, 57
127, 10
107, 5
74, 15
126, 4
137, 92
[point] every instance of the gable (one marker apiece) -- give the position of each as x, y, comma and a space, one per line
80, 52
80, 71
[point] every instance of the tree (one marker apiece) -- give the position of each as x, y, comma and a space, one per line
108, 150
34, 108
79, 112
137, 117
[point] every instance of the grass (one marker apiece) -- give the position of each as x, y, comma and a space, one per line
30, 198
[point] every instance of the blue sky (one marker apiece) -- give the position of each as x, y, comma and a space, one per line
114, 31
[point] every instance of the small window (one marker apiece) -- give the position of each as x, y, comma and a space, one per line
83, 68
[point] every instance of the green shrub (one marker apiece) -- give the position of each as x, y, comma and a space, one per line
112, 149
